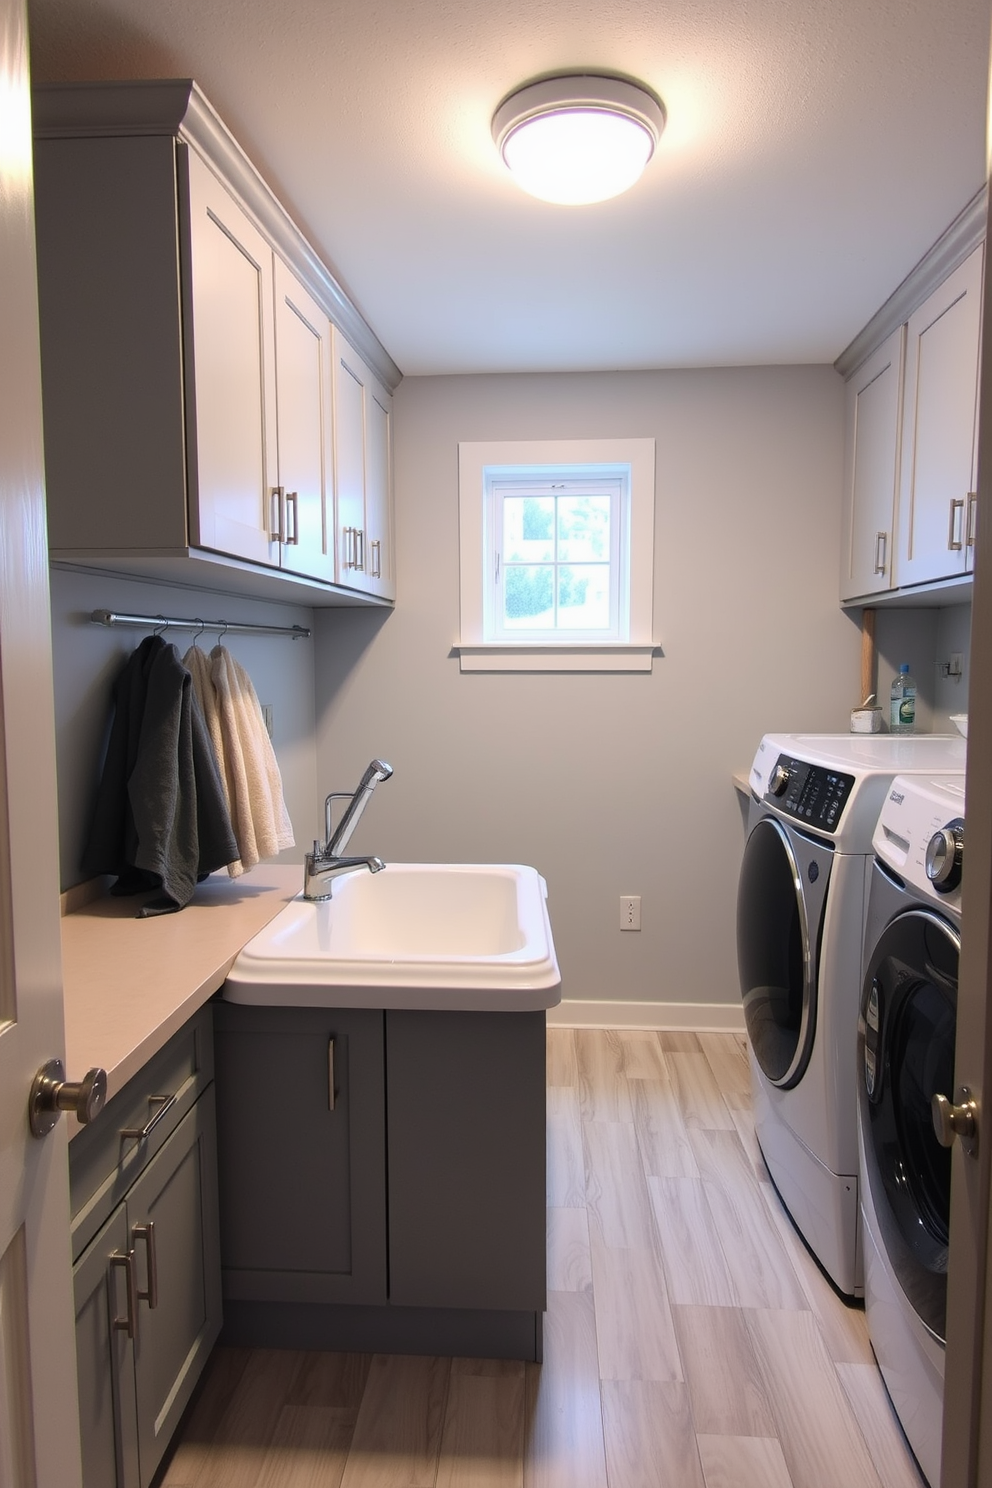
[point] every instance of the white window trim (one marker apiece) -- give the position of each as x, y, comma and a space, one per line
562, 655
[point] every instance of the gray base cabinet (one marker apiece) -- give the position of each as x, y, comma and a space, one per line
147, 1282
410, 1214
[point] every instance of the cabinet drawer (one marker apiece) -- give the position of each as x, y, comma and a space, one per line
103, 1161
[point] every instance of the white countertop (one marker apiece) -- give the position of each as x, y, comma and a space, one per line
130, 984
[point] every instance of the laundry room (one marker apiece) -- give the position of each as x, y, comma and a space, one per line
703, 783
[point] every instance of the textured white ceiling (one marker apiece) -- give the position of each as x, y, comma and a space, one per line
814, 151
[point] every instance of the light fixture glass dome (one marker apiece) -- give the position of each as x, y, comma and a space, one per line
579, 138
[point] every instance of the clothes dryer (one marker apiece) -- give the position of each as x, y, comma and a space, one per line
906, 1032
800, 923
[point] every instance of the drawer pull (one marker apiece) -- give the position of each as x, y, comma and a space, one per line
881, 543
146, 1232
129, 1322
142, 1133
330, 1075
955, 520
969, 540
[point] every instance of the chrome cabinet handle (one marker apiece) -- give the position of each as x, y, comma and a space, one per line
360, 549
969, 537
954, 543
292, 537
276, 514
51, 1094
129, 1322
330, 1074
375, 551
961, 1120
349, 547
142, 1133
146, 1233
881, 543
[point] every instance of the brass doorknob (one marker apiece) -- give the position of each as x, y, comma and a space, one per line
52, 1093
961, 1120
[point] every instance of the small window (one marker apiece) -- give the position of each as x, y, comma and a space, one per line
557, 555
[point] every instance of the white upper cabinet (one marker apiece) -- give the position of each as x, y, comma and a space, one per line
189, 358
937, 507
874, 408
363, 474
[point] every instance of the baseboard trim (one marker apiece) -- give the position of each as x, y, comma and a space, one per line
707, 1017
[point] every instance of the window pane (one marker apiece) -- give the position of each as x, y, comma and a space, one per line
584, 596
583, 529
528, 529
529, 597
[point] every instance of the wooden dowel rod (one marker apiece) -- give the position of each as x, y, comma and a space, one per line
867, 654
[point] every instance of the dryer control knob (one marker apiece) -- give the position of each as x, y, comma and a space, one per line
778, 780
944, 856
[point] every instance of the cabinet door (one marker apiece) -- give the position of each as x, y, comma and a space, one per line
349, 463
300, 1126
172, 1224
105, 1360
940, 422
874, 408
379, 490
303, 399
230, 372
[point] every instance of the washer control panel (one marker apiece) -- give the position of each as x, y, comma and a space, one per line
812, 794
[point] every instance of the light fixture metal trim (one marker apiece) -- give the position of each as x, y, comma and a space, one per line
579, 91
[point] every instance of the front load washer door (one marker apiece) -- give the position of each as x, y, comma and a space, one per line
780, 901
906, 1037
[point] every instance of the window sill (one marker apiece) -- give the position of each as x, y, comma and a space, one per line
532, 657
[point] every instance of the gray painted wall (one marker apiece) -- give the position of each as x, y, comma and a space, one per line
87, 657
609, 784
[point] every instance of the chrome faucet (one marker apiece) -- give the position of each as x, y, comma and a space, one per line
325, 863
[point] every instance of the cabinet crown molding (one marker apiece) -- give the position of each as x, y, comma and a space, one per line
178, 107
951, 248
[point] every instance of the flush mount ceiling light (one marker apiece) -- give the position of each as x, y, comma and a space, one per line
578, 138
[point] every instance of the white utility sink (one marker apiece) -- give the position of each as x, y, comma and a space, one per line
469, 936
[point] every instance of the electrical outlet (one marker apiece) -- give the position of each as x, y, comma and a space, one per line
267, 719
630, 911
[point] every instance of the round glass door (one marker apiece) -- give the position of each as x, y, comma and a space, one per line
906, 1048
774, 955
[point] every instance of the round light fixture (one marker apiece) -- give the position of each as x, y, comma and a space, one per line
578, 138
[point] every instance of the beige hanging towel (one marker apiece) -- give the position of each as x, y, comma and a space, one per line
248, 766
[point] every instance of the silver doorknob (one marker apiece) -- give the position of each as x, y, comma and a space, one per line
52, 1093
961, 1120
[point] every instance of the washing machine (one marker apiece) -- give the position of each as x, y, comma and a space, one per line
906, 1033
801, 911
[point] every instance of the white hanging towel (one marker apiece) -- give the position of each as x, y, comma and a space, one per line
248, 764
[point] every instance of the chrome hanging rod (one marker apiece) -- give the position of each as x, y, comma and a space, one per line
172, 622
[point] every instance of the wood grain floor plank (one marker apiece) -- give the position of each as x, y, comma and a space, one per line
398, 1432
566, 1177
560, 1048
616, 1189
743, 1462
725, 1384
330, 1380
702, 1105
662, 1139
727, 1058
635, 1333
842, 1324
649, 1435
482, 1445
820, 1435
569, 1265
234, 1456
679, 1041
309, 1448
641, 1056
744, 1127
603, 1092
879, 1426
221, 1378
756, 1257
564, 1445
695, 1267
